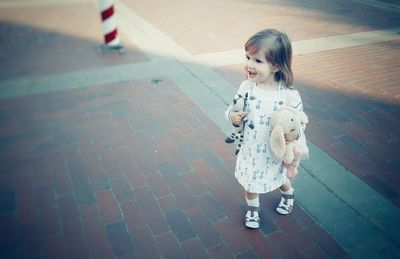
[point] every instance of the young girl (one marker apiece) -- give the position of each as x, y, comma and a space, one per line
267, 88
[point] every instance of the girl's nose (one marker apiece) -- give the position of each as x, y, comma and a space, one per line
250, 63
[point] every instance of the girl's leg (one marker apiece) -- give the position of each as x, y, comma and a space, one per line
286, 204
253, 207
286, 186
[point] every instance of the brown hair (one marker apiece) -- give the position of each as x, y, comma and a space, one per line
278, 51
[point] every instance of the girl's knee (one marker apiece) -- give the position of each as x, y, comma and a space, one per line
286, 186
250, 195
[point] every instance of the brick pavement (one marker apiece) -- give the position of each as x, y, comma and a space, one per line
110, 171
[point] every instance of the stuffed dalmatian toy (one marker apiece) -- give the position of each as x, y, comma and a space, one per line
237, 135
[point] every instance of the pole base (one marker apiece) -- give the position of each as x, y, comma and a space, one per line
112, 48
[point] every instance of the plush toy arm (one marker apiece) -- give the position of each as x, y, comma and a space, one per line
289, 155
277, 142
301, 151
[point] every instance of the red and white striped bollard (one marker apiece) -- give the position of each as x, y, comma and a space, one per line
112, 41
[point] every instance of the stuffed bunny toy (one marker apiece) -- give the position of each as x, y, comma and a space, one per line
284, 143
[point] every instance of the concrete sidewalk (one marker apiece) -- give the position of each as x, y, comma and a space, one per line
122, 156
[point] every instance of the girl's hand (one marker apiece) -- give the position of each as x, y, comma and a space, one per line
291, 136
237, 117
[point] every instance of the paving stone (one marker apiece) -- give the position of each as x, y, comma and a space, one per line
301, 217
119, 237
145, 244
350, 142
314, 252
83, 193
187, 152
210, 207
378, 185
258, 242
67, 208
220, 251
77, 171
26, 211
294, 233
202, 169
145, 199
55, 247
247, 254
75, 240
210, 159
179, 224
133, 215
108, 206
194, 183
168, 203
8, 235
169, 246
94, 227
49, 222
228, 230
158, 185
205, 231
282, 246
169, 172
180, 162
267, 225
7, 200
157, 222
122, 191
183, 196
194, 249
104, 252
319, 235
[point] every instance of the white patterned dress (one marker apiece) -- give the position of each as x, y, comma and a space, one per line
256, 168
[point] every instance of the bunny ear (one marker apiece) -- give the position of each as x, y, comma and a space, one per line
277, 142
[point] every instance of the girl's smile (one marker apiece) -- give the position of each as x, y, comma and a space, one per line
258, 69
251, 74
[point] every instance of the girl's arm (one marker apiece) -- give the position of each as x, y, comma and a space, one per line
235, 117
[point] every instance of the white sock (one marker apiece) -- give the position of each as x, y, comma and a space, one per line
290, 191
253, 202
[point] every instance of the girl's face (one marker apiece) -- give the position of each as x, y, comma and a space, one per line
258, 69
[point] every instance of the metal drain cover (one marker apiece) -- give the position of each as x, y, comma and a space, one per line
156, 82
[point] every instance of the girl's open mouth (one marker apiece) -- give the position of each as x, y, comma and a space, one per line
251, 74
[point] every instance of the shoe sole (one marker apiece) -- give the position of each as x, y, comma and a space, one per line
282, 212
252, 225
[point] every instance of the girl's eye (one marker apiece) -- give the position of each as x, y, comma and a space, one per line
247, 57
258, 61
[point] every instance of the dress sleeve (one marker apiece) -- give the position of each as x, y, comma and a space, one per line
242, 91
